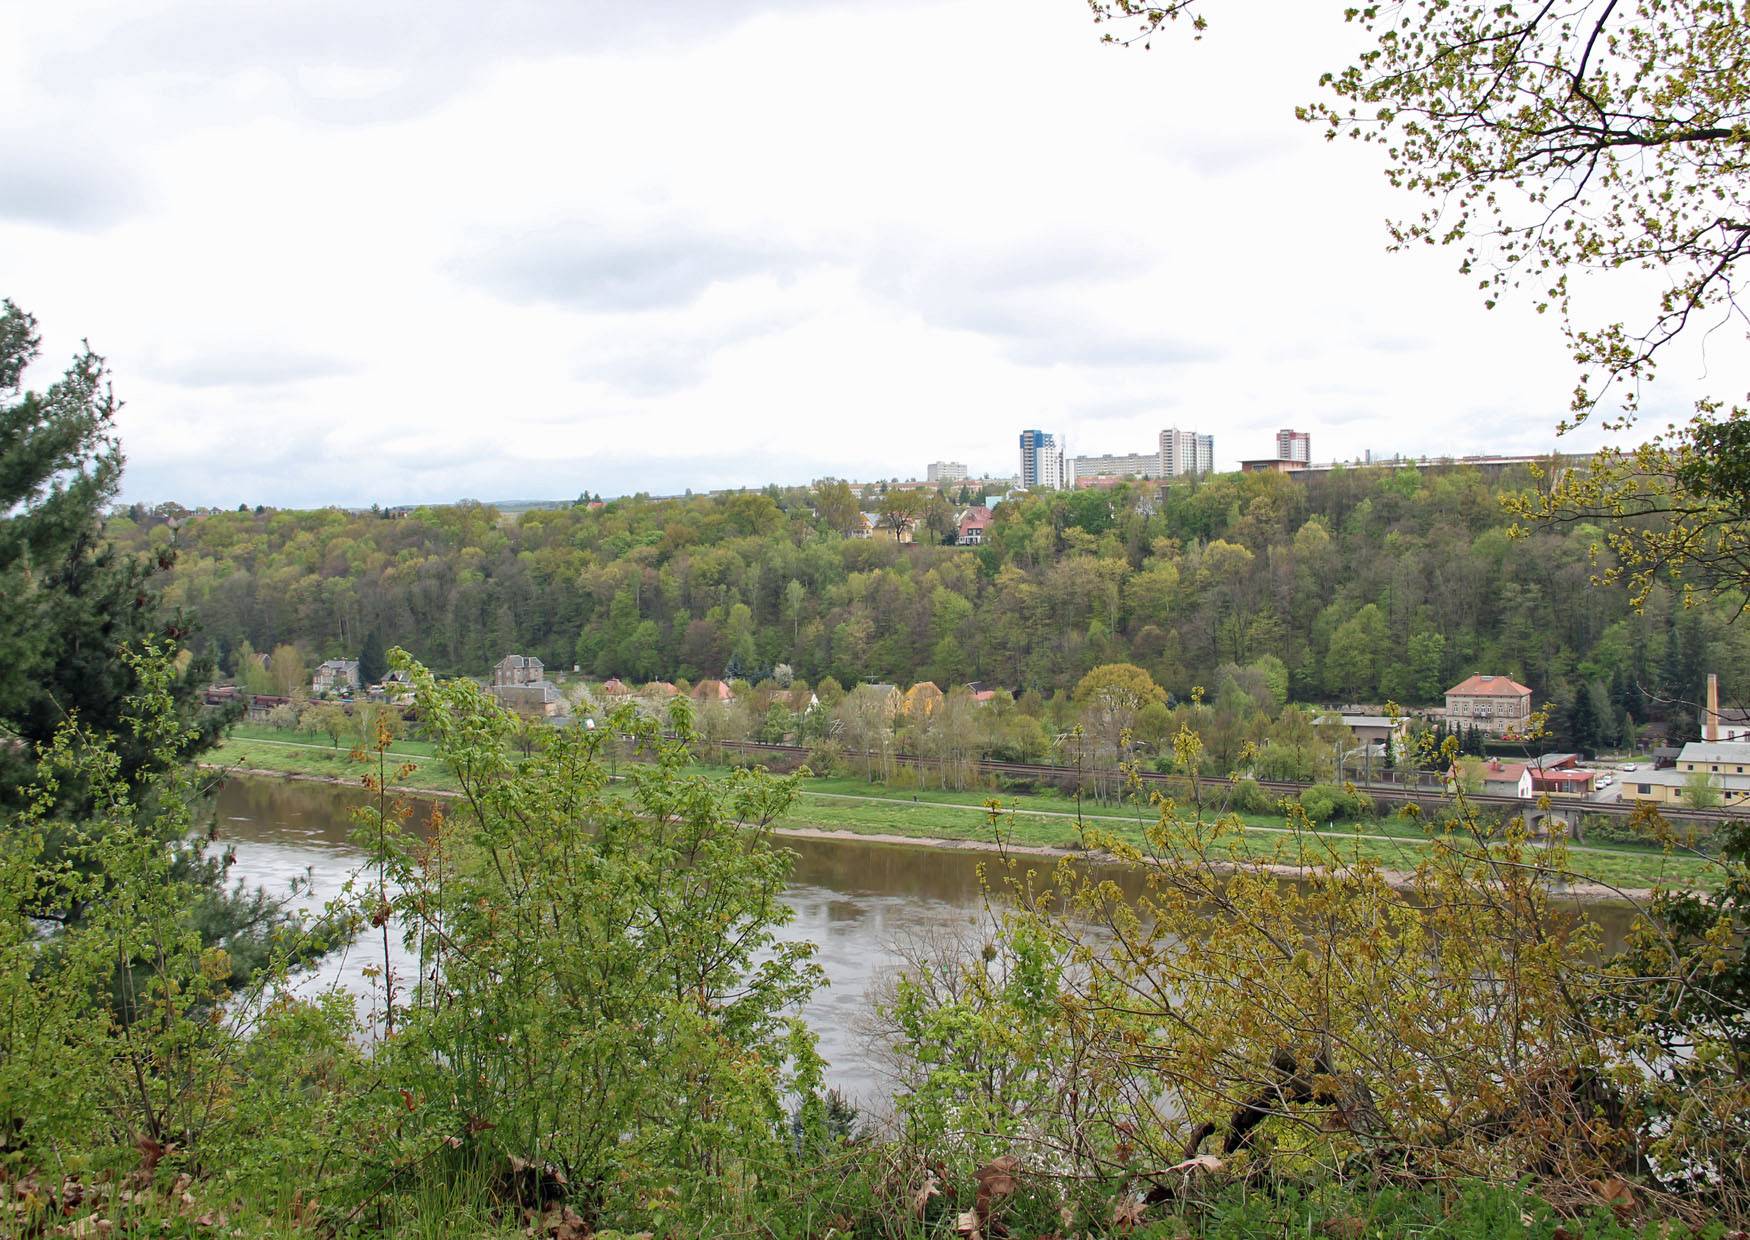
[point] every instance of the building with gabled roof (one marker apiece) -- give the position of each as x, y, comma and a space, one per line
538, 700
335, 676
973, 523
923, 699
1496, 704
518, 669
1506, 779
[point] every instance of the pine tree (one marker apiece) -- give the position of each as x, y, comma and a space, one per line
72, 602
373, 660
1583, 723
74, 607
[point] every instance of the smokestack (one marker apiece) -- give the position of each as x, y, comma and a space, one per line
1710, 722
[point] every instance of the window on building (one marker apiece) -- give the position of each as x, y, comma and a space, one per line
1644, 788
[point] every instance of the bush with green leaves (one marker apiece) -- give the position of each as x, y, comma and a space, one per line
1247, 797
124, 1018
1328, 803
603, 990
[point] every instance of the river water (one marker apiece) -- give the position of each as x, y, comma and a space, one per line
860, 903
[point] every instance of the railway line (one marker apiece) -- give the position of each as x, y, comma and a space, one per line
1069, 776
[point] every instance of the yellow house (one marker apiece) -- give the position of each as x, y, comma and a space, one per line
1725, 765
922, 699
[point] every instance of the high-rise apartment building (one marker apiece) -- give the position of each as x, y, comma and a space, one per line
946, 471
1043, 465
1123, 465
1186, 452
1292, 445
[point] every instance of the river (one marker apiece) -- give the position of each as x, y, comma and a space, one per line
858, 902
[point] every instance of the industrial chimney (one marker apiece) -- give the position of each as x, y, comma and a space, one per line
1710, 719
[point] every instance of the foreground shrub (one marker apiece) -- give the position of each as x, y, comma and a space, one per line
602, 990
1348, 1024
119, 1022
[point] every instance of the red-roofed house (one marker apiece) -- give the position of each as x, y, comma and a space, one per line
973, 523
713, 691
1496, 704
1506, 779
1564, 781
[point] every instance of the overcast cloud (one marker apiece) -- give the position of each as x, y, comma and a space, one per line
418, 251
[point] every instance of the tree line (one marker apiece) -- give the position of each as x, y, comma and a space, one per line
1358, 586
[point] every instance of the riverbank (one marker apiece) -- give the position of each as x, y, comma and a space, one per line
936, 821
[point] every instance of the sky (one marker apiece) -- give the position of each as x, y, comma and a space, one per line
422, 250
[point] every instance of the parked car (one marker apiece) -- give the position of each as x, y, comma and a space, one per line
1604, 781
1626, 766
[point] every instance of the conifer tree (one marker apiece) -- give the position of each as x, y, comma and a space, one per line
72, 602
373, 660
74, 610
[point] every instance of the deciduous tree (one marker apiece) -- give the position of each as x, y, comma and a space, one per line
1550, 141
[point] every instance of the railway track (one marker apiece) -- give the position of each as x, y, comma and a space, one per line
1393, 794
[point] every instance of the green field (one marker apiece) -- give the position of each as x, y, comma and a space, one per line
1043, 819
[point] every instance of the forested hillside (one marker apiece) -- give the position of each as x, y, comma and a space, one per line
1365, 584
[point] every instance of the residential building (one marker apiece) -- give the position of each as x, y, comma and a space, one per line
923, 699
1186, 452
1496, 704
1506, 779
946, 471
1043, 465
1715, 758
1725, 765
1126, 465
1271, 465
519, 681
518, 669
535, 699
874, 526
335, 676
973, 523
1293, 445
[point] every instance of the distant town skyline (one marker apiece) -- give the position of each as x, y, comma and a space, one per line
332, 257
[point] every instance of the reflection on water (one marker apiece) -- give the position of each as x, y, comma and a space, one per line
857, 902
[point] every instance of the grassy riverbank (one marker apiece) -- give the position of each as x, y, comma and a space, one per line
1036, 819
